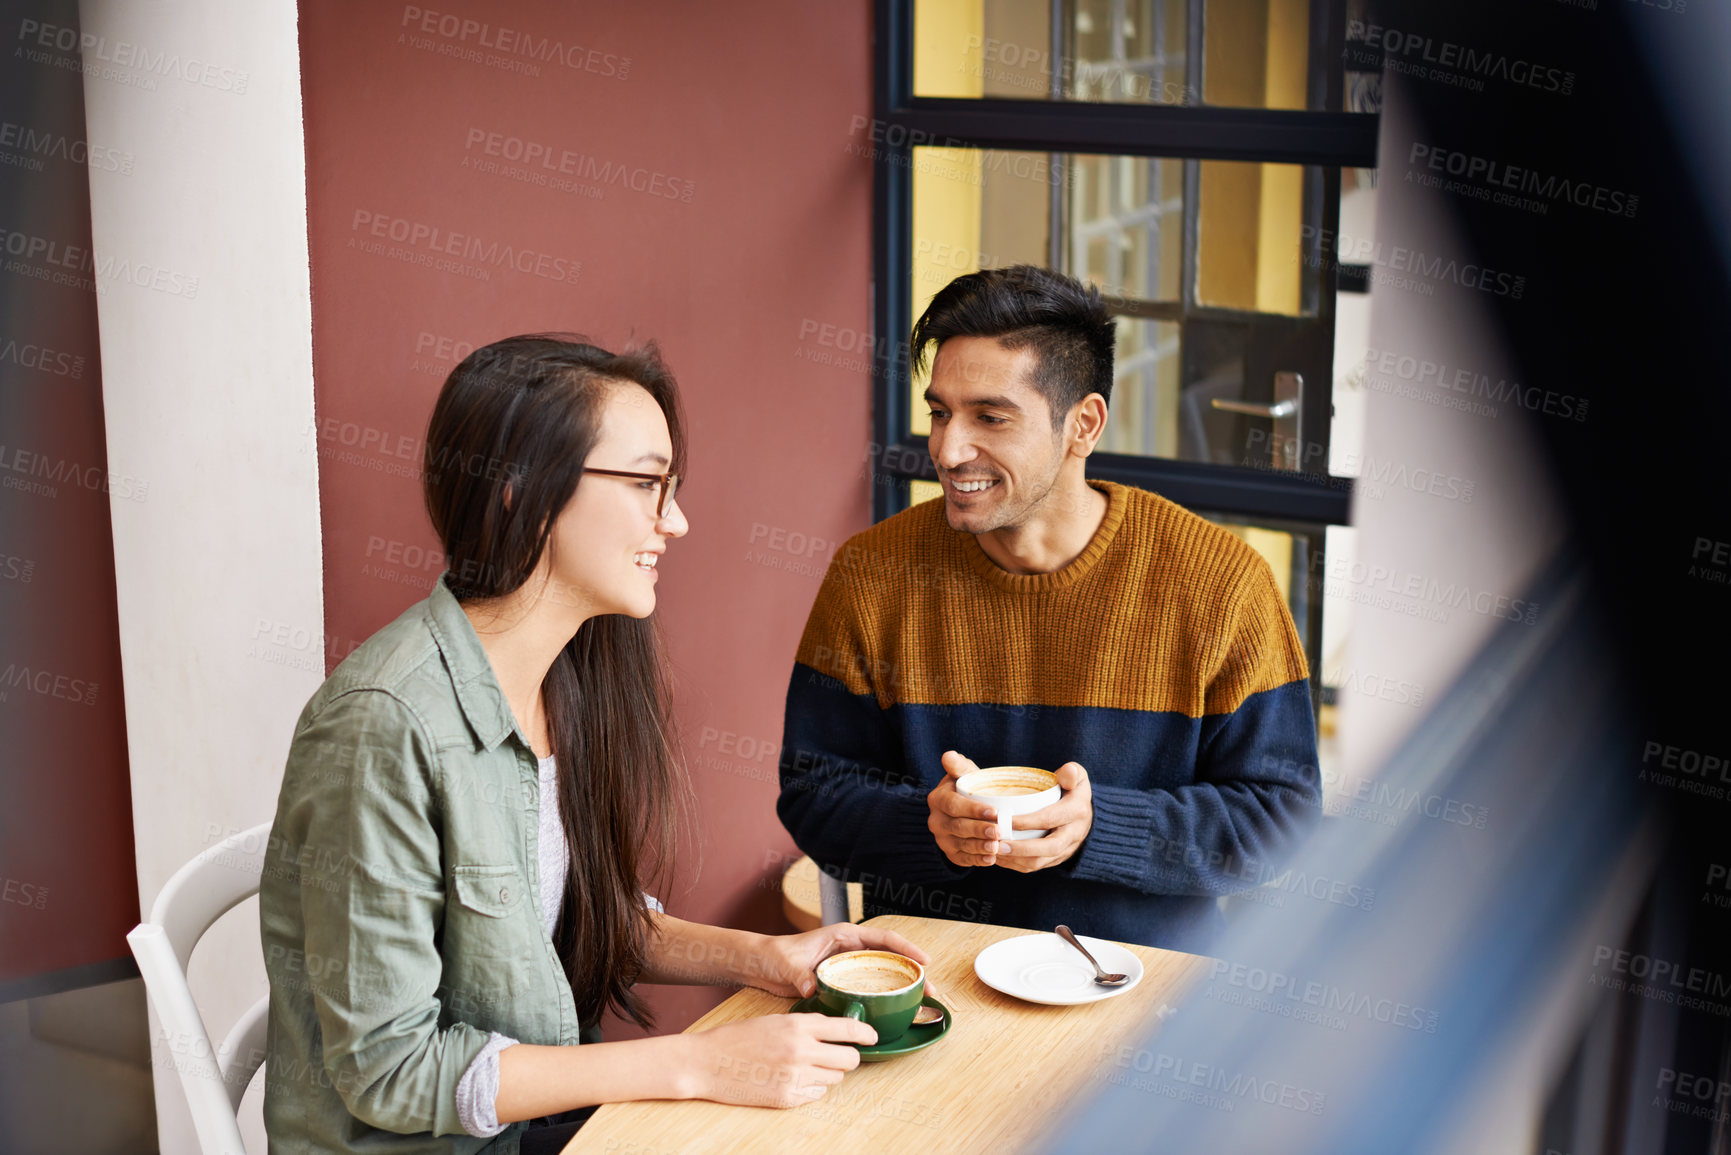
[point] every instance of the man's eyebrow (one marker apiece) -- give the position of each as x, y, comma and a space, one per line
999, 402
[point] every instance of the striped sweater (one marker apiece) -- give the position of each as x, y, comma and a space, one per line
1162, 659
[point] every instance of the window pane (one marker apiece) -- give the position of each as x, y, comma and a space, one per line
995, 48
1127, 224
1256, 53
1362, 71
1351, 320
1143, 414
1128, 52
973, 209
1249, 241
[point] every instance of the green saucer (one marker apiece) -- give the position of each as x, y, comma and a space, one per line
916, 1039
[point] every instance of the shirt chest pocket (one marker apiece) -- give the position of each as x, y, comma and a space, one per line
490, 950
490, 891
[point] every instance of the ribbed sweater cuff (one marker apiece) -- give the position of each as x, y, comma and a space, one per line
1119, 846
914, 849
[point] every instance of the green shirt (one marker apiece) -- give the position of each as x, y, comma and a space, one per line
397, 902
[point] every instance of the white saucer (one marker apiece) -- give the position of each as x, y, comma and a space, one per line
1043, 968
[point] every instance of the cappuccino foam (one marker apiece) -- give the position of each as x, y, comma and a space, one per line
1006, 782
867, 974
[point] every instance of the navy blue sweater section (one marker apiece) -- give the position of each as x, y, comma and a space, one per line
1185, 809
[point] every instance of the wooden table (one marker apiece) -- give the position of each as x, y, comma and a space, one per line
1006, 1070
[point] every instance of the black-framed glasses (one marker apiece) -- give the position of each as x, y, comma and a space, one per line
669, 485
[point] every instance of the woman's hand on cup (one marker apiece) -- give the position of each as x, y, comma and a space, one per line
788, 960
966, 829
776, 1060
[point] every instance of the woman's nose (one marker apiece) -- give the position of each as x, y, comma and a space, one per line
673, 522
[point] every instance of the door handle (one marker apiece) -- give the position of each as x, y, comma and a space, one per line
1286, 439
1258, 408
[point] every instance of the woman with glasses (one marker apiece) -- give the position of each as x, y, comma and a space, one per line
476, 798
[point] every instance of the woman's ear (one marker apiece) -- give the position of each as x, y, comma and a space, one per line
506, 495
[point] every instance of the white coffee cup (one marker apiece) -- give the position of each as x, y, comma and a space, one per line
1011, 790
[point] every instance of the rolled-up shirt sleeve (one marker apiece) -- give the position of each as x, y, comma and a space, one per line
365, 836
478, 1089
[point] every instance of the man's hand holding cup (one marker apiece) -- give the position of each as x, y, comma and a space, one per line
977, 831
1066, 823
966, 829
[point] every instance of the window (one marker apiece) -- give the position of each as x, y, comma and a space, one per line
1189, 157
1203, 261
1254, 53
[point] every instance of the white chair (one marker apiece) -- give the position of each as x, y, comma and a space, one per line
201, 892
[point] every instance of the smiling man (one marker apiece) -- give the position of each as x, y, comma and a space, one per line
1036, 618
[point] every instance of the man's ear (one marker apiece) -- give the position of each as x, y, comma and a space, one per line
1085, 425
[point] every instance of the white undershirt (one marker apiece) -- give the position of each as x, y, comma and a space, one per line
555, 858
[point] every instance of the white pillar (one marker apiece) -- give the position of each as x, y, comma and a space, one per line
205, 312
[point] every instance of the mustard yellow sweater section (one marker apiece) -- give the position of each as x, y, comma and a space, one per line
1163, 611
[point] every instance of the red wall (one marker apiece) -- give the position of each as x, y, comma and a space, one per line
743, 114
68, 874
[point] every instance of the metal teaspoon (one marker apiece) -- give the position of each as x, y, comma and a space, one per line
1100, 975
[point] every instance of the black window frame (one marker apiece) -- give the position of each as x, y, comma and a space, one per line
1329, 139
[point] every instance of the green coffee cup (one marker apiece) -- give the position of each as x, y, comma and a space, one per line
877, 987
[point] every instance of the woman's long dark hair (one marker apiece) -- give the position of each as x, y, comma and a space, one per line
510, 433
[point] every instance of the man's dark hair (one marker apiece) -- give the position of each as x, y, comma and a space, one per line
1025, 306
